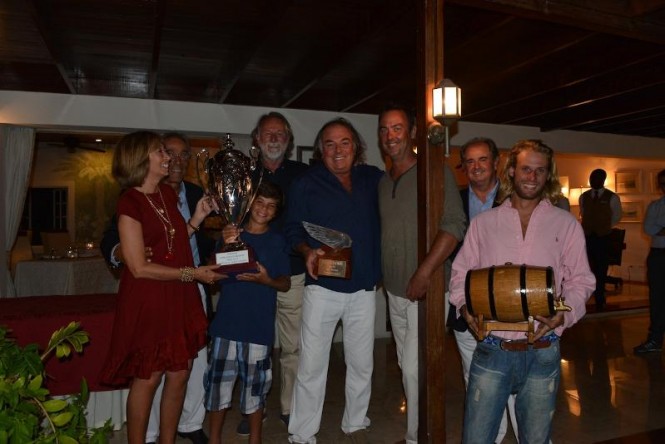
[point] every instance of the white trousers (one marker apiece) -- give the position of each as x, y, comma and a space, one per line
404, 323
289, 315
193, 412
466, 344
321, 311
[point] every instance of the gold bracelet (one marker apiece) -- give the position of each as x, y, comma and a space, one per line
186, 274
189, 222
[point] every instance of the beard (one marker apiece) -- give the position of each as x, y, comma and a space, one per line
273, 151
528, 194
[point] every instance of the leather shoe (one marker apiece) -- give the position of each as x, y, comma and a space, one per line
648, 346
197, 436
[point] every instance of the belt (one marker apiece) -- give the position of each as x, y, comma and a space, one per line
520, 345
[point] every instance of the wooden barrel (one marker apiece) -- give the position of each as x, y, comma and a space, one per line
510, 293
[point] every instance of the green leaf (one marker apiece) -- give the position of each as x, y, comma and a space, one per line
62, 418
85, 392
62, 350
64, 439
55, 405
36, 382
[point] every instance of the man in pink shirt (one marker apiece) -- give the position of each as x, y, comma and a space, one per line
525, 229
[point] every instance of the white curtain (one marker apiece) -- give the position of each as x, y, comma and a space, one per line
17, 148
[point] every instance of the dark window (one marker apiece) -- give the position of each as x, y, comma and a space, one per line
45, 209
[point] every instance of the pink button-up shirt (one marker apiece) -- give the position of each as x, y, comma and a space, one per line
553, 238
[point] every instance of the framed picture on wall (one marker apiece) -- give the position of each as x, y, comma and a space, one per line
632, 211
652, 182
304, 154
628, 182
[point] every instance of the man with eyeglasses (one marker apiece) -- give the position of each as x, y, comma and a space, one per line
190, 425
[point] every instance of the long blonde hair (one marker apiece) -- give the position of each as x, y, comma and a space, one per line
552, 189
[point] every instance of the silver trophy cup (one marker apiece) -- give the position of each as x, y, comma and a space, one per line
227, 178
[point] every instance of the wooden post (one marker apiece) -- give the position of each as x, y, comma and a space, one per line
431, 316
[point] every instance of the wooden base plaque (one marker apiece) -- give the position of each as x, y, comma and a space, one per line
335, 263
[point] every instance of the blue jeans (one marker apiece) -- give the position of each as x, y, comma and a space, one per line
533, 375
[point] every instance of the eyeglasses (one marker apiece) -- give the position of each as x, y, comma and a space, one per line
184, 156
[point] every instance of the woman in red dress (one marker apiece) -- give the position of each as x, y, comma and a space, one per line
159, 324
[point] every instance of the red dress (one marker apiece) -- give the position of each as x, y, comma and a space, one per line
159, 325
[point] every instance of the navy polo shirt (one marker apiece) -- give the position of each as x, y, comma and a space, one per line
318, 197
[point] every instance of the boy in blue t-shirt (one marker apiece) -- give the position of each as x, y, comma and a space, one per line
243, 328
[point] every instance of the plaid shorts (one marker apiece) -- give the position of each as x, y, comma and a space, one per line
230, 359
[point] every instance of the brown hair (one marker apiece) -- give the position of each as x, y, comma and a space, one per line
270, 190
356, 138
130, 158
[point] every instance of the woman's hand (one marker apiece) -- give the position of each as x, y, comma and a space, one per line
207, 274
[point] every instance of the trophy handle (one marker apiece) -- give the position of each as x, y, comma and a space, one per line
251, 200
202, 158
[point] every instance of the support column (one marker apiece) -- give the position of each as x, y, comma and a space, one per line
431, 317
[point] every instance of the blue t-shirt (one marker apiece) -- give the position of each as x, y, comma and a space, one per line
246, 310
318, 197
282, 177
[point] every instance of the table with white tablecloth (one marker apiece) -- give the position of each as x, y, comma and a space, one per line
44, 277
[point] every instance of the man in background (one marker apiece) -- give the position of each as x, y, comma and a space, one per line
406, 281
274, 137
654, 226
601, 210
480, 162
190, 425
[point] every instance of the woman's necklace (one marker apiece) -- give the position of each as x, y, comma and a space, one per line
163, 216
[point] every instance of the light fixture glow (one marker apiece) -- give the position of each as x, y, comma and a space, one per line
575, 194
446, 108
446, 101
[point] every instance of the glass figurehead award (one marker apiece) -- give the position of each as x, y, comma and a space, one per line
227, 179
336, 262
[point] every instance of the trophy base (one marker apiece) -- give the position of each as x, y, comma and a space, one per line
335, 263
234, 260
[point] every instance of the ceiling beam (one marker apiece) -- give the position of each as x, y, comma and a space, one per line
645, 100
532, 86
39, 13
323, 59
607, 16
638, 8
156, 47
273, 14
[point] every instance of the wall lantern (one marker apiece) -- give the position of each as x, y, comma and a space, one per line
446, 109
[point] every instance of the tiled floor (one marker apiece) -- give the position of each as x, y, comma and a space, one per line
606, 394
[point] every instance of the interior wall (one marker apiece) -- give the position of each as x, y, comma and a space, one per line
578, 168
58, 111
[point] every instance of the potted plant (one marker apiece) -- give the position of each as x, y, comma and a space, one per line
28, 414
